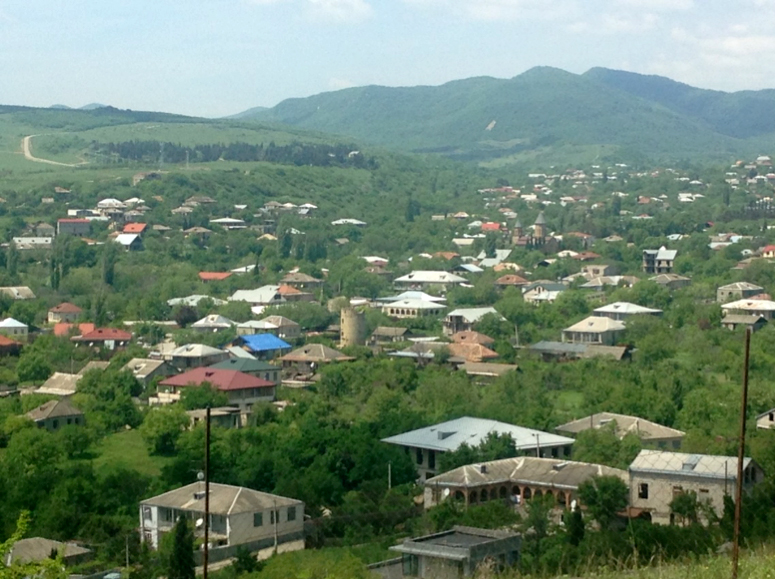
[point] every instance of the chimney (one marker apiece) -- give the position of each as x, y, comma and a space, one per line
483, 468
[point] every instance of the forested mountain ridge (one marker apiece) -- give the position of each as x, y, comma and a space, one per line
486, 118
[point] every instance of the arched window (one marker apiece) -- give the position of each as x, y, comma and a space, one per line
528, 494
472, 497
504, 492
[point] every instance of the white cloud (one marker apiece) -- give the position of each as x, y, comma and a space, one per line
503, 10
339, 10
656, 5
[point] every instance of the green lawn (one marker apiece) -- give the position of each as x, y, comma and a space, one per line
127, 449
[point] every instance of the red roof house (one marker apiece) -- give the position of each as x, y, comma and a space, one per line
214, 275
109, 338
64, 312
138, 228
63, 329
491, 226
242, 389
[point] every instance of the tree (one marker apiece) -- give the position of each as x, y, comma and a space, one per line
185, 316
33, 367
605, 496
574, 523
181, 562
202, 397
162, 427
686, 506
109, 257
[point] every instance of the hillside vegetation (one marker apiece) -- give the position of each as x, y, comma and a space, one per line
530, 115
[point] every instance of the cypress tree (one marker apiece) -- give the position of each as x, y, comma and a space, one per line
181, 562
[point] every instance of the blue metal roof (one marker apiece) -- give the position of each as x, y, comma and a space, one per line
264, 342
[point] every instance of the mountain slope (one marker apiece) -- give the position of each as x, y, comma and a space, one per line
487, 118
740, 114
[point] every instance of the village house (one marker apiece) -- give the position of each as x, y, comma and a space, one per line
386, 335
671, 281
145, 370
593, 330
280, 326
238, 516
622, 311
77, 227
213, 323
222, 417
412, 308
39, 549
751, 308
30, 243
511, 280
56, 414
263, 346
300, 281
598, 270
129, 241
657, 477
464, 319
650, 433
59, 384
734, 321
291, 294
307, 359
18, 292
195, 356
516, 480
737, 291
453, 554
135, 229
107, 338
599, 283
427, 443
766, 420
253, 367
268, 295
656, 261
64, 312
242, 390
14, 329
566, 351
422, 280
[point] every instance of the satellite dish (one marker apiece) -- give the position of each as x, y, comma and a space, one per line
200, 522
200, 476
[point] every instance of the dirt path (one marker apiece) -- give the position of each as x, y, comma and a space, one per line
26, 149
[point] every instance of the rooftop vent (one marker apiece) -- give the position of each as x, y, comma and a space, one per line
199, 495
559, 466
483, 468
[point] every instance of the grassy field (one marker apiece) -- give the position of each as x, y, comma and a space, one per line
127, 449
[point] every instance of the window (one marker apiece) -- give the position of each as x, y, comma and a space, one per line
55, 424
643, 491
410, 564
258, 519
419, 456
291, 513
431, 459
274, 517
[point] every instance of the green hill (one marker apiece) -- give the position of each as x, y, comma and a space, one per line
537, 112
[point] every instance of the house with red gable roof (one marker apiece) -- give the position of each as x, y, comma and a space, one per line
214, 275
108, 338
243, 390
136, 228
768, 251
64, 312
491, 226
63, 329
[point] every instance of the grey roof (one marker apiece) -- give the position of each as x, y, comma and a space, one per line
280, 321
263, 295
578, 350
741, 285
626, 308
315, 353
430, 277
194, 300
662, 253
214, 321
749, 305
224, 499
541, 219
389, 332
457, 543
246, 365
59, 384
448, 436
666, 278
700, 465
53, 409
484, 369
195, 351
237, 352
412, 295
473, 315
644, 429
557, 473
39, 549
94, 365
596, 324
142, 367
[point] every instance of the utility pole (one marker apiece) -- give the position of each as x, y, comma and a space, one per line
390, 475
740, 458
207, 492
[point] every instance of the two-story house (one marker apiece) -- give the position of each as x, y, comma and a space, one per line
238, 516
657, 477
594, 330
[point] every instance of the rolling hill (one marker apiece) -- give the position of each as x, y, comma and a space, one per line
542, 110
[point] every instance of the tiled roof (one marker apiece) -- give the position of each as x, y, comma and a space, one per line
214, 275
66, 308
224, 380
101, 334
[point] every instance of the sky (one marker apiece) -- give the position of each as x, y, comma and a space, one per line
220, 57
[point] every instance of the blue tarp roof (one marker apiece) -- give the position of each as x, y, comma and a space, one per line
264, 342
